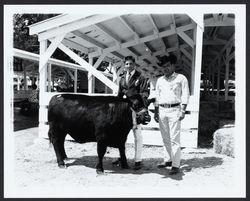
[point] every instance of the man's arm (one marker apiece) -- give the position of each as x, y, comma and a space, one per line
144, 87
185, 97
156, 115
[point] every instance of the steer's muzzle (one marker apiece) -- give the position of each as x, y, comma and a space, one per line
143, 117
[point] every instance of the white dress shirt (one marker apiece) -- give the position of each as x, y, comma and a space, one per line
172, 90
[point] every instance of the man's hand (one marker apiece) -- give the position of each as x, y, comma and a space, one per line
182, 115
156, 116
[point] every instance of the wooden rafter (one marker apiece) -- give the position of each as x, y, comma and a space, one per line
230, 42
35, 57
142, 40
136, 37
156, 30
224, 21
88, 67
78, 24
173, 27
50, 50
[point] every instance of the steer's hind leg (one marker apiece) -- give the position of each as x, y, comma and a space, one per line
63, 135
101, 150
57, 140
124, 163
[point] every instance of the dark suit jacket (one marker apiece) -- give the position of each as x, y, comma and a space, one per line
136, 85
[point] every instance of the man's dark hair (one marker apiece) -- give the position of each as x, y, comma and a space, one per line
171, 58
129, 58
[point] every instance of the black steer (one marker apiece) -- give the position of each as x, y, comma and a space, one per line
106, 120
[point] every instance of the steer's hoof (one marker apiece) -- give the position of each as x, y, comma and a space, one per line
62, 166
100, 171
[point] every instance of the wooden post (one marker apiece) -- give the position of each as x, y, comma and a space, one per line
91, 80
33, 74
75, 81
193, 64
42, 90
24, 77
18, 83
53, 82
205, 82
49, 77
213, 78
218, 80
227, 74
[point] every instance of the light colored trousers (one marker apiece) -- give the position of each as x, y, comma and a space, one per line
170, 131
138, 143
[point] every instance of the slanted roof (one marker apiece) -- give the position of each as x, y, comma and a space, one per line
145, 36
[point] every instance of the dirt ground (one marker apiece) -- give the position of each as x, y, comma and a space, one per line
36, 168
203, 173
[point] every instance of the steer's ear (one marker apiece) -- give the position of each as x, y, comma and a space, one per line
149, 101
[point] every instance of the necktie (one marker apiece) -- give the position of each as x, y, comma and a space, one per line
129, 75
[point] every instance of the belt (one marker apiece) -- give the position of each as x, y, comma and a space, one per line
169, 105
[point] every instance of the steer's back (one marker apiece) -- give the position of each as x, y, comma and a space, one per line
90, 118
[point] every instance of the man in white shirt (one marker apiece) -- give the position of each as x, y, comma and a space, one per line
172, 95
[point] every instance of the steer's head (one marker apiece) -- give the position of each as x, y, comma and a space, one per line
140, 107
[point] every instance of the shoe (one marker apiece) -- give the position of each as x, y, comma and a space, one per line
117, 162
164, 164
137, 166
174, 170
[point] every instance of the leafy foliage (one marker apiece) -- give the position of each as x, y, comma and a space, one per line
22, 39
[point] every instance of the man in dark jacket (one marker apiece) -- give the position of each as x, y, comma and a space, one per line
132, 83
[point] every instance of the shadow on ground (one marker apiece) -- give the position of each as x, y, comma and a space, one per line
149, 165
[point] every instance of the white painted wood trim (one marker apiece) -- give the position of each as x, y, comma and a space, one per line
91, 84
186, 38
75, 81
218, 81
51, 22
44, 57
142, 40
198, 58
49, 77
42, 85
227, 73
35, 57
91, 20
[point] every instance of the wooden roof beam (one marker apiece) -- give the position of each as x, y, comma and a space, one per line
173, 27
136, 36
88, 39
155, 29
35, 57
230, 42
75, 45
186, 53
89, 68
227, 21
186, 38
97, 44
50, 23
214, 42
66, 28
142, 40
108, 33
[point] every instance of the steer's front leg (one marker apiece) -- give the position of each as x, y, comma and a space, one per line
101, 150
124, 163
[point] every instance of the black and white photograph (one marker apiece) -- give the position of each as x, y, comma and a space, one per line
125, 101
